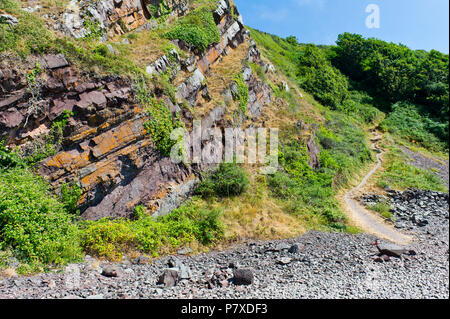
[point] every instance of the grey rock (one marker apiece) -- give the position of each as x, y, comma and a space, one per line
169, 277
110, 271
284, 261
184, 271
243, 276
8, 19
294, 249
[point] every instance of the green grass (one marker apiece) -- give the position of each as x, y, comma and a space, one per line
400, 175
29, 36
279, 51
384, 209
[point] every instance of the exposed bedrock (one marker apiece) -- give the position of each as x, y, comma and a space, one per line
105, 148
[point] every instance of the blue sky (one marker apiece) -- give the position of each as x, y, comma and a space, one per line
419, 24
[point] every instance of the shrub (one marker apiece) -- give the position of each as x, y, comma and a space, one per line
319, 77
187, 224
70, 196
33, 224
9, 158
198, 29
242, 96
161, 124
229, 180
107, 238
409, 122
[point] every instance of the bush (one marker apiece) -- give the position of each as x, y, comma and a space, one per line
9, 158
410, 122
320, 78
229, 180
198, 29
107, 238
190, 223
161, 123
33, 224
242, 92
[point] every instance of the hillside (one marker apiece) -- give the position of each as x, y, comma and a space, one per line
92, 90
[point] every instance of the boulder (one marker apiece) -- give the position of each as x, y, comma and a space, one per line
110, 271
183, 270
243, 276
11, 118
54, 61
169, 277
392, 250
293, 249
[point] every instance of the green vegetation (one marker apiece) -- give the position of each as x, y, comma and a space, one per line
186, 225
33, 224
384, 209
229, 180
198, 29
160, 10
320, 78
311, 193
419, 80
95, 31
70, 196
400, 175
9, 158
411, 122
242, 95
29, 36
396, 72
161, 123
359, 74
281, 52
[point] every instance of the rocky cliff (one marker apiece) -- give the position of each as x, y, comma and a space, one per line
104, 147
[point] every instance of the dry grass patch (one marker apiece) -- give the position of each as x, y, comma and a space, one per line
220, 78
146, 47
257, 215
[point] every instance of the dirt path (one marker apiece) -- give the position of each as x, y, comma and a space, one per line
366, 220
